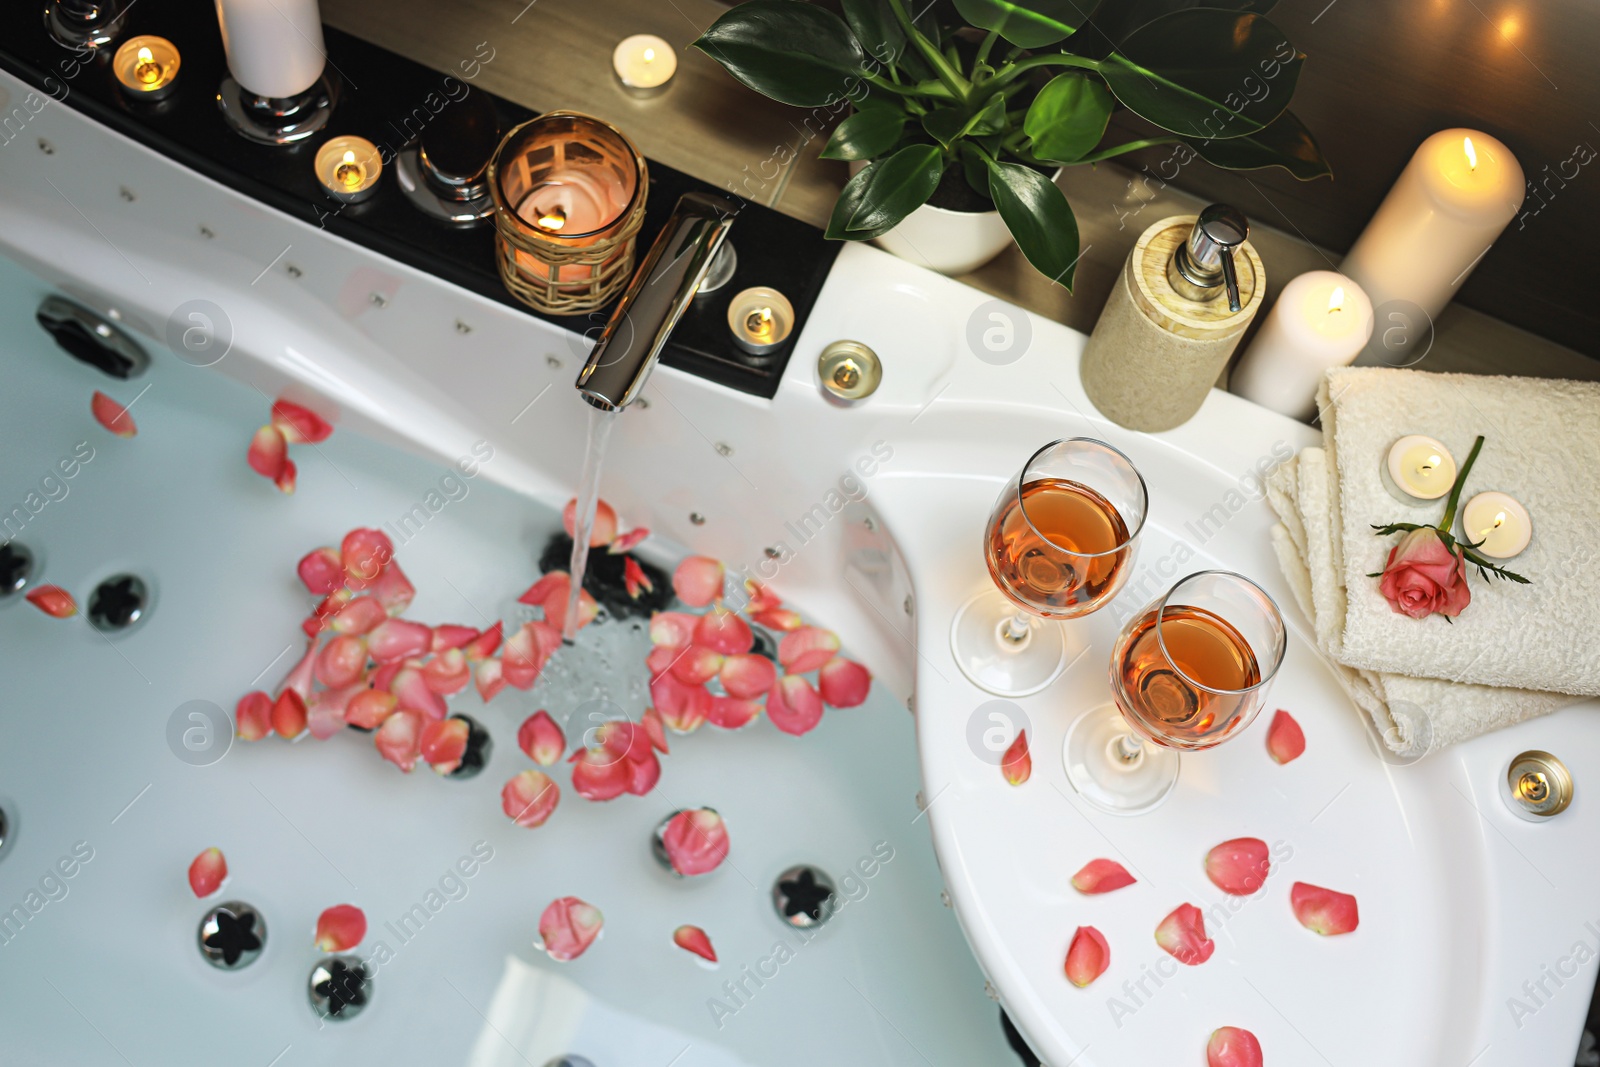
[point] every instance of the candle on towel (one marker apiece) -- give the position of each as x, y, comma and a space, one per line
1418, 469
1500, 522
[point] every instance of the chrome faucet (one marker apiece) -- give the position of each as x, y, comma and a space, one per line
662, 288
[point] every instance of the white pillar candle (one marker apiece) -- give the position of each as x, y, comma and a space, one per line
1500, 522
1453, 199
1320, 320
643, 63
1418, 468
274, 46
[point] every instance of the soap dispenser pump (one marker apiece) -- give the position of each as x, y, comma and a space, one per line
1189, 289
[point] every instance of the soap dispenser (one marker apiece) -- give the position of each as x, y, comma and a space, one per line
1189, 289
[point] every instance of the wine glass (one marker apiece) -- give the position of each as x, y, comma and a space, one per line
1059, 544
1188, 672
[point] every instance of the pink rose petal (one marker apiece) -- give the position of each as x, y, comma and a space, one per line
672, 629
1324, 911
341, 928
1088, 957
1285, 740
1101, 876
289, 715
747, 676
268, 452
449, 635
1239, 866
325, 711
443, 742
529, 799
252, 716
568, 927
399, 639
321, 570
489, 678
53, 601
605, 522
722, 631
696, 842
843, 683
551, 593
682, 707
627, 542
341, 661
698, 581
299, 425
527, 651
761, 597
693, 939
731, 713
368, 708
365, 553
1231, 1046
207, 872
399, 739
486, 643
1183, 935
780, 619
635, 580
807, 648
793, 706
654, 729
300, 676
285, 481
393, 589
695, 665
410, 687
112, 415
448, 672
1017, 764
358, 617
541, 739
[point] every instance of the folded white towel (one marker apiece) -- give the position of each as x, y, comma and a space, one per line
1543, 447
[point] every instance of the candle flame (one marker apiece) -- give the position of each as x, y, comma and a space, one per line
1336, 300
1430, 466
145, 56
348, 172
349, 156
1472, 153
760, 322
554, 219
145, 67
649, 55
1499, 521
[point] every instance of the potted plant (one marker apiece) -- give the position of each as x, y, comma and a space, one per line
961, 112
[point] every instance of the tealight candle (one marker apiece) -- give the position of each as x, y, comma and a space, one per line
760, 320
1449, 205
1418, 468
146, 67
644, 63
348, 168
1499, 521
1321, 320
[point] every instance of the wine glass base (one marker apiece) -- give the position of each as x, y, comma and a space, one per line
992, 661
1096, 769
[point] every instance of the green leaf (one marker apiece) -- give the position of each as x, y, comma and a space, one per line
973, 167
1025, 23
1205, 72
792, 51
867, 134
1038, 216
876, 28
1284, 143
1068, 117
1114, 20
884, 192
949, 124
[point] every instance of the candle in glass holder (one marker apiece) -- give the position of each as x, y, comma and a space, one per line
643, 63
146, 67
760, 319
348, 168
1321, 320
1499, 522
1449, 205
1418, 469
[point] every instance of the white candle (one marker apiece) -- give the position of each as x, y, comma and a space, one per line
274, 46
348, 168
1419, 468
1500, 522
644, 63
1453, 199
1320, 320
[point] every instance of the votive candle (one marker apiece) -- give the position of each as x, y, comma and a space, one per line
643, 63
1500, 522
1419, 469
1321, 320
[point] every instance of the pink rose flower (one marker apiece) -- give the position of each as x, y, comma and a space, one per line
1422, 576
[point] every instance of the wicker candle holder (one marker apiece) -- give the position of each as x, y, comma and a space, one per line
569, 193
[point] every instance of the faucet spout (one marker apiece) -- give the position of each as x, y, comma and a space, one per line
662, 288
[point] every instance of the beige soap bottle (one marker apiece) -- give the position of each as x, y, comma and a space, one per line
1188, 291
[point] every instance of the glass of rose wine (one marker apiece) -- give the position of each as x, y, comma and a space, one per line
1059, 544
1188, 672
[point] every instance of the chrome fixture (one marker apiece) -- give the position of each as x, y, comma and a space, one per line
84, 23
339, 987
5, 831
657, 296
1205, 261
96, 341
266, 120
232, 935
804, 896
445, 171
1538, 786
17, 565
118, 603
849, 370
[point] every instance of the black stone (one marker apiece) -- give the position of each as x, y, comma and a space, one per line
603, 579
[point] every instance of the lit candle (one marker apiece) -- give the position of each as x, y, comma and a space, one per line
643, 63
146, 67
1418, 468
274, 47
1320, 320
1500, 522
348, 168
760, 320
1451, 202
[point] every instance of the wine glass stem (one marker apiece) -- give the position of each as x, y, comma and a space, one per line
1017, 628
1128, 748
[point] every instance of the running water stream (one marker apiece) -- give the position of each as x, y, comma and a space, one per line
594, 455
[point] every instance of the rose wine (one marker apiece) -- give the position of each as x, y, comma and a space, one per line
1055, 551
1153, 686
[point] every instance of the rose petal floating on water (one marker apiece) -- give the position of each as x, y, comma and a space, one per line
268, 452
695, 665
365, 553
1239, 866
341, 661
1231, 1046
605, 522
448, 672
285, 481
807, 648
529, 799
1183, 935
843, 683
484, 645
761, 597
393, 589
635, 580
551, 593
399, 639
300, 675
252, 716
325, 711
358, 617
793, 706
299, 425
568, 927
731, 713
527, 651
541, 739
443, 743
698, 581
1325, 911
368, 708
781, 619
722, 631
1088, 957
207, 872
1285, 740
112, 415
1017, 764
450, 635
53, 601
399, 739
693, 939
410, 685
655, 729
341, 928
489, 678
289, 715
321, 570
672, 629
1101, 876
696, 841
682, 707
628, 541
747, 676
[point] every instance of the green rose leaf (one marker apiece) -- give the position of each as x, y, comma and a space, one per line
1025, 23
1068, 117
1284, 143
884, 192
1038, 216
1205, 72
867, 134
795, 52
